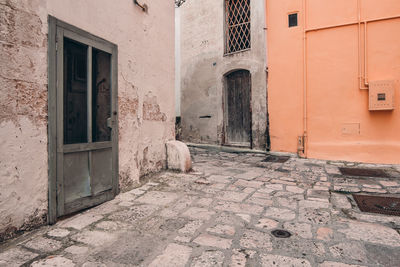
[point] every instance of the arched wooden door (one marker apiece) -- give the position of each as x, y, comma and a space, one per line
238, 109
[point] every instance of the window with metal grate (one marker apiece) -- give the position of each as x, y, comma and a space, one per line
237, 32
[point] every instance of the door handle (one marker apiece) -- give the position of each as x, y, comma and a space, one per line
109, 123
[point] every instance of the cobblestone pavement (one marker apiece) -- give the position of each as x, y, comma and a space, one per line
222, 214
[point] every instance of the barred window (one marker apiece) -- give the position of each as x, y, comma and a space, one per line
237, 16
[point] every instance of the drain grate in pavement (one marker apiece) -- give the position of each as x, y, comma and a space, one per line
281, 233
276, 159
378, 204
364, 172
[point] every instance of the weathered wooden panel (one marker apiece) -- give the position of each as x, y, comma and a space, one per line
101, 170
76, 176
238, 128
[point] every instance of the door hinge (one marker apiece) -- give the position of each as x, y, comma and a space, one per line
56, 41
109, 123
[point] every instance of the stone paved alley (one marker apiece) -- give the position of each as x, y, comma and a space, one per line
222, 214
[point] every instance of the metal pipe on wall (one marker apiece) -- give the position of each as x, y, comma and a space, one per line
304, 138
365, 54
360, 76
363, 73
351, 23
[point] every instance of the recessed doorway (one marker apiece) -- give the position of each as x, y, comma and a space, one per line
238, 109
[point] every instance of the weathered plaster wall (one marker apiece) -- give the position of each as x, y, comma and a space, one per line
23, 121
146, 94
338, 123
177, 62
204, 65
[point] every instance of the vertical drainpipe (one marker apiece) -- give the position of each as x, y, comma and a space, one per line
304, 137
363, 86
365, 55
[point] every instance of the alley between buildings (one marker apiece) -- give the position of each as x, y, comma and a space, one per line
223, 214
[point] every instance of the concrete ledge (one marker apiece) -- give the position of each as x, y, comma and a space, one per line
227, 148
178, 156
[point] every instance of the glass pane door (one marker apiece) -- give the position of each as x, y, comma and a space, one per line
87, 165
101, 103
75, 92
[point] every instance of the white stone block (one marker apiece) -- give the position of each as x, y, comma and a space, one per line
178, 156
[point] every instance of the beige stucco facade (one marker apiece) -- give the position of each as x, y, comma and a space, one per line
204, 66
145, 94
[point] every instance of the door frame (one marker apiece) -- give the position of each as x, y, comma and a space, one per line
55, 181
225, 109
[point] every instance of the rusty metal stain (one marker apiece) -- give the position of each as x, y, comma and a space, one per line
365, 172
378, 204
276, 159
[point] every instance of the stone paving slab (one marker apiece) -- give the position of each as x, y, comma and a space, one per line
222, 214
16, 256
173, 255
81, 221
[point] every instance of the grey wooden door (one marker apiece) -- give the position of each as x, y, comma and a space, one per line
238, 117
86, 122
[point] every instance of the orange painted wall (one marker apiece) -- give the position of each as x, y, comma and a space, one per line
335, 104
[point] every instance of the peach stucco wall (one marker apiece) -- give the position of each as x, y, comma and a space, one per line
338, 124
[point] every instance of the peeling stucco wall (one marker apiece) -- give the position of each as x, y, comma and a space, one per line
145, 94
203, 66
23, 117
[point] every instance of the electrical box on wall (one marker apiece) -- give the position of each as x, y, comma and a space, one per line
381, 95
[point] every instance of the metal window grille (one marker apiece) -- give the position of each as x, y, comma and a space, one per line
237, 35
